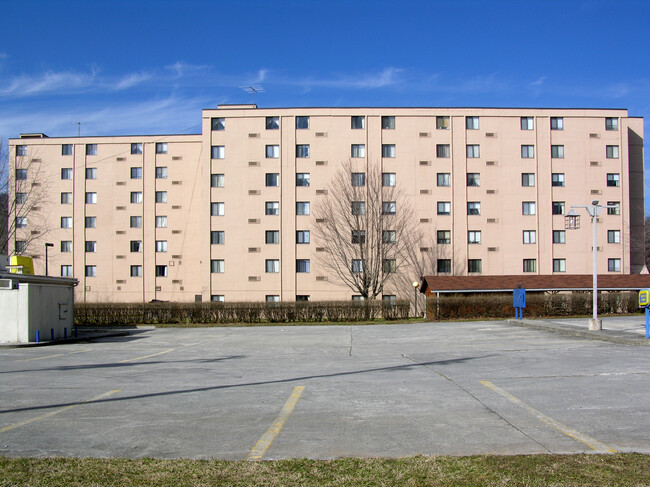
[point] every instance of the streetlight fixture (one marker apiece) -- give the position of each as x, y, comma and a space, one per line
572, 222
46, 246
415, 296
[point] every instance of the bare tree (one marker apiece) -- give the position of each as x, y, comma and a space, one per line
366, 227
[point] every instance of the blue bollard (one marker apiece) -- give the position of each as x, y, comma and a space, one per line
65, 333
647, 323
52, 333
38, 336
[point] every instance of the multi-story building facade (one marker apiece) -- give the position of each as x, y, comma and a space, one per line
227, 214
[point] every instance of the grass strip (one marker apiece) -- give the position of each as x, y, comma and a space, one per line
629, 469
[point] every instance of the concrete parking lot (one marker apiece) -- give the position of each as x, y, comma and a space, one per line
325, 392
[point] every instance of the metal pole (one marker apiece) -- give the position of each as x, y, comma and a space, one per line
415, 300
46, 259
594, 323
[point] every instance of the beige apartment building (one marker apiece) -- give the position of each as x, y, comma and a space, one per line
227, 214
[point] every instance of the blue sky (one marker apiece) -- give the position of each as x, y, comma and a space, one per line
145, 67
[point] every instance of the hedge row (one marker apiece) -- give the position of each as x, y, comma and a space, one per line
284, 312
459, 306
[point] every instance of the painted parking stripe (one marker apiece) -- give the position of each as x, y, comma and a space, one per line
145, 356
562, 428
52, 356
263, 444
57, 411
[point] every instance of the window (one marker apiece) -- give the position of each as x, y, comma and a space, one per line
302, 122
528, 208
530, 265
557, 123
66, 173
358, 236
272, 151
357, 265
388, 179
217, 266
136, 172
559, 236
161, 221
218, 123
161, 245
527, 123
358, 208
91, 149
136, 222
66, 246
272, 236
474, 237
21, 150
471, 123
21, 198
473, 179
558, 207
91, 246
444, 208
358, 122
272, 265
443, 150
611, 123
614, 265
527, 151
557, 151
359, 178
389, 298
388, 207
613, 179
136, 197
217, 237
272, 123
559, 265
444, 236
21, 222
136, 271
302, 297
271, 179
91, 173
302, 237
216, 180
302, 208
442, 123
613, 236
444, 265
272, 208
136, 245
136, 148
66, 150
527, 179
91, 271
557, 179
474, 208
612, 152
91, 222
21, 174
161, 147
390, 265
272, 298
388, 150
530, 236
302, 179
388, 123
473, 151
91, 198
389, 237
161, 196
302, 265
66, 271
218, 152
161, 271
217, 209
474, 265
617, 208
217, 298
358, 150
20, 246
302, 150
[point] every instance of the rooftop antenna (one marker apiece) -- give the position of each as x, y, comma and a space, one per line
253, 89
79, 124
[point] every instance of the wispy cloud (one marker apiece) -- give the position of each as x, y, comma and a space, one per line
48, 82
381, 79
538, 82
131, 80
181, 69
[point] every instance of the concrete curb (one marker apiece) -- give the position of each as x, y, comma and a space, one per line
620, 337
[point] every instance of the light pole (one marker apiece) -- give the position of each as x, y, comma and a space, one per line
46, 246
415, 296
572, 222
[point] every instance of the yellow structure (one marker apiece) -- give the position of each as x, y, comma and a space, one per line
21, 265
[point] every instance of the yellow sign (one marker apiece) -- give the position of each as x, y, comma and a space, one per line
644, 298
21, 265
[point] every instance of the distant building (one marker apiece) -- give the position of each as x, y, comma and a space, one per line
225, 214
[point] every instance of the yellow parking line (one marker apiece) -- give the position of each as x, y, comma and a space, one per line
263, 444
146, 356
52, 356
562, 428
52, 413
